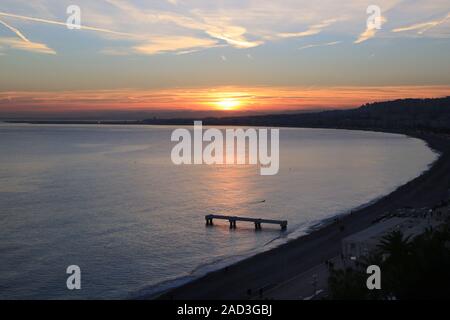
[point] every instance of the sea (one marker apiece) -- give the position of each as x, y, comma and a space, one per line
108, 199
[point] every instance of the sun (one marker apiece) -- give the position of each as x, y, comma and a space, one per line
228, 104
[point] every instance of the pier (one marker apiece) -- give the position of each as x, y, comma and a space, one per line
232, 220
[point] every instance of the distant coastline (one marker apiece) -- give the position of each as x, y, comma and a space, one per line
398, 116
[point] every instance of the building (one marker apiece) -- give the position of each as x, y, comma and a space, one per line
361, 243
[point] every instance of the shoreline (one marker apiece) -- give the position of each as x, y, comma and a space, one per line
277, 265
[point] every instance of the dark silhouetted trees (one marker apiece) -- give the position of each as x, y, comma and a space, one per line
410, 269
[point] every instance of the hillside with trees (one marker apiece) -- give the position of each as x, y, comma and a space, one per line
405, 114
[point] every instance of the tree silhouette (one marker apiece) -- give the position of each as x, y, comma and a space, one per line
416, 268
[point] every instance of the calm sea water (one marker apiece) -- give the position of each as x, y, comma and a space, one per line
109, 199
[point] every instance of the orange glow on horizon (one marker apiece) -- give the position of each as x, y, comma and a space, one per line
268, 99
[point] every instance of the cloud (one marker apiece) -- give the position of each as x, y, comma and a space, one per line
237, 24
16, 31
312, 30
59, 23
422, 27
320, 45
233, 35
14, 43
252, 98
370, 32
23, 43
167, 44
215, 26
28, 45
151, 44
180, 53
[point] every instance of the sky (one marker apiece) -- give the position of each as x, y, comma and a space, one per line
152, 57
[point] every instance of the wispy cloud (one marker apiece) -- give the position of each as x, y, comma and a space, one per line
234, 36
140, 25
59, 23
252, 98
16, 31
23, 43
424, 26
154, 44
26, 46
370, 32
166, 44
320, 45
217, 27
180, 53
312, 30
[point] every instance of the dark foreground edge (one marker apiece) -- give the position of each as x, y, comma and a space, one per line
360, 310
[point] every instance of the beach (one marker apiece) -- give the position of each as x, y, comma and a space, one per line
272, 268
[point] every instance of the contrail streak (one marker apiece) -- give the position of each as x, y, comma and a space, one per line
16, 31
59, 23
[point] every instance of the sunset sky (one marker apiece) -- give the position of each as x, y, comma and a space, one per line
234, 55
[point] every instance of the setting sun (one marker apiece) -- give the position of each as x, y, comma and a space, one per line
228, 104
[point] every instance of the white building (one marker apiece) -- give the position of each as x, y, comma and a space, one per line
361, 243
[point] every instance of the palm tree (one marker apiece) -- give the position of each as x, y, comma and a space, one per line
347, 284
395, 245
